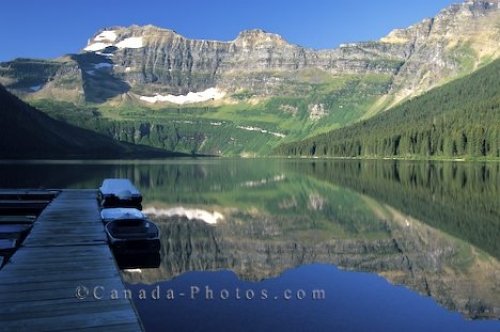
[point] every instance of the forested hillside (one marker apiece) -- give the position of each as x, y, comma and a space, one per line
25, 132
458, 120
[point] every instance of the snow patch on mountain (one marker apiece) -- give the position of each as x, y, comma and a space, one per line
191, 97
108, 38
132, 42
97, 46
109, 35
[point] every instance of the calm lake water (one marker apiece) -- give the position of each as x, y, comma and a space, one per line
308, 245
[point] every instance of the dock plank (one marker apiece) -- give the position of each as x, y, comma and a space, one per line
6, 220
70, 321
109, 328
29, 286
64, 309
28, 194
66, 248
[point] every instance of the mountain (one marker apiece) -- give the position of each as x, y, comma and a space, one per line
458, 120
26, 132
248, 95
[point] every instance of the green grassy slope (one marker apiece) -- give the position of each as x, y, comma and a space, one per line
225, 129
458, 120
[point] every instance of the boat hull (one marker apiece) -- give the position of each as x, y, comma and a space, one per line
110, 201
143, 236
135, 246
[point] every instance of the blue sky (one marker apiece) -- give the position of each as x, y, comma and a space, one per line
45, 29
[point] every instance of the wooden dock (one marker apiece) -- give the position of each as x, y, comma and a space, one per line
67, 248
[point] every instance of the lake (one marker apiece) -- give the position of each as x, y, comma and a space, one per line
307, 245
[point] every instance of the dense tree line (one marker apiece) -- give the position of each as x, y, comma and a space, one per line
167, 135
458, 198
26, 132
459, 119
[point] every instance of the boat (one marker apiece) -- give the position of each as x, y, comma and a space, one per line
119, 193
110, 214
133, 235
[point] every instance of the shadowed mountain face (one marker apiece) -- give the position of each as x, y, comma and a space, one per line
99, 82
26, 132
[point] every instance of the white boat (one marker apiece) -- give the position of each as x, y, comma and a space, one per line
119, 193
109, 214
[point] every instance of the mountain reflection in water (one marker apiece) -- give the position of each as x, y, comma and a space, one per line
433, 227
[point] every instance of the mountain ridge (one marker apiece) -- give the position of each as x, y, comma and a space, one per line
258, 80
175, 64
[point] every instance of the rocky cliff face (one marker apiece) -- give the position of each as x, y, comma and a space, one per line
456, 41
246, 96
165, 62
146, 60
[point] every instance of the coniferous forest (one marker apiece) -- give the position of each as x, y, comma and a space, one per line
458, 120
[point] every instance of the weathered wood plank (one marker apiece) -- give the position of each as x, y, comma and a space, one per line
68, 292
67, 247
28, 286
52, 268
13, 231
65, 309
48, 262
75, 320
50, 251
109, 328
17, 202
7, 245
5, 220
74, 240
62, 266
22, 207
45, 305
28, 194
12, 279
42, 258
